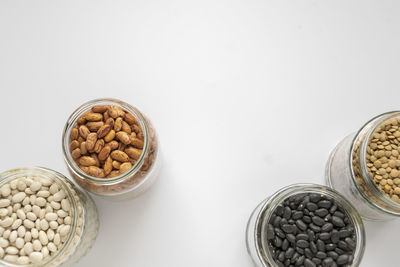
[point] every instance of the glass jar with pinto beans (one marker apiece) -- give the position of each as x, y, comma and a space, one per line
111, 149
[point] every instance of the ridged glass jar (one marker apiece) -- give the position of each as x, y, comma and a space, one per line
129, 184
256, 232
85, 223
347, 172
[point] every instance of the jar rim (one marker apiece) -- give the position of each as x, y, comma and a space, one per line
54, 175
278, 197
72, 120
373, 123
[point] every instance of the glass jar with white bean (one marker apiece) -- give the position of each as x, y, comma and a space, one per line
45, 219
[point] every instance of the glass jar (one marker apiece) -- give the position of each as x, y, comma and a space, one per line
347, 172
256, 241
129, 184
84, 223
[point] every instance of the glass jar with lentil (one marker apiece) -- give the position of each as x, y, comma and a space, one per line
365, 168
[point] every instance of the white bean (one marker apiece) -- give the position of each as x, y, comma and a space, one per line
6, 222
28, 224
52, 247
57, 239
43, 238
54, 189
45, 252
21, 214
44, 225
19, 243
50, 234
36, 257
12, 250
17, 223
37, 246
1, 252
3, 212
6, 233
31, 216
5, 190
65, 230
65, 205
41, 202
4, 202
35, 186
36, 210
28, 247
21, 231
28, 236
56, 205
35, 233
53, 224
51, 216
13, 236
17, 198
43, 193
3, 242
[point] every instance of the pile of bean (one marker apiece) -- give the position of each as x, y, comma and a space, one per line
106, 142
311, 230
36, 218
383, 158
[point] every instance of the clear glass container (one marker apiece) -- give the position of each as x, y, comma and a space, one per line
84, 225
129, 184
347, 172
256, 240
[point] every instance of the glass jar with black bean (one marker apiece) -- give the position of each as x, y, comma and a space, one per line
305, 225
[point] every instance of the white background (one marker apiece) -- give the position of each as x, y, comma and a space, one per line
247, 97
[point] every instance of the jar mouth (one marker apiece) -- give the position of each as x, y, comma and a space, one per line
271, 203
55, 176
370, 127
72, 120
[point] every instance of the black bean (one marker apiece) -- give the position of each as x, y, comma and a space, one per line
301, 225
289, 253
281, 256
309, 263
277, 221
335, 236
320, 255
333, 208
311, 206
350, 243
314, 227
351, 258
316, 261
325, 204
344, 233
313, 247
300, 260
302, 237
280, 264
339, 214
328, 262
270, 232
333, 255
325, 236
290, 221
301, 207
295, 256
337, 221
339, 251
311, 235
318, 221
328, 218
287, 262
297, 215
280, 233
342, 259
315, 197
277, 242
307, 219
291, 238
279, 210
285, 244
282, 222
321, 212
287, 213
300, 250
330, 247
321, 245
302, 243
308, 253
343, 245
288, 228
327, 227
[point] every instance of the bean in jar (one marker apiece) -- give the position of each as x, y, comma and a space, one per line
43, 218
111, 149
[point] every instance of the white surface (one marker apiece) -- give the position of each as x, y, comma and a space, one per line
247, 96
